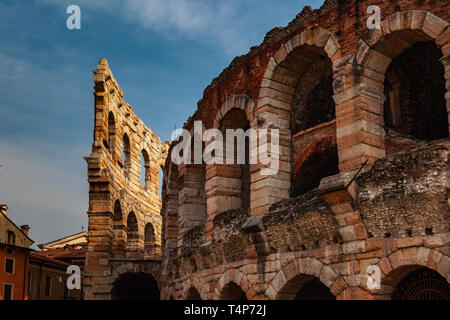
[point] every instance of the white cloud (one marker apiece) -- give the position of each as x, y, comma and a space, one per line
208, 21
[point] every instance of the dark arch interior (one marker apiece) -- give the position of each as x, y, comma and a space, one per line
117, 211
313, 102
145, 168
314, 290
132, 223
322, 163
233, 292
149, 233
111, 128
135, 286
422, 284
126, 154
415, 93
193, 294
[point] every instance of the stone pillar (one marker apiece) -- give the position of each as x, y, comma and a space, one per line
223, 192
359, 118
171, 218
268, 189
119, 245
100, 233
191, 199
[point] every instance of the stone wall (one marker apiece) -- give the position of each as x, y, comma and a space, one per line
331, 234
372, 210
117, 197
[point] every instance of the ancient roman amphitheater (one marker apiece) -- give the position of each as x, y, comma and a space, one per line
362, 190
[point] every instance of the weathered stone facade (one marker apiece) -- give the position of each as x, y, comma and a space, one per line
363, 174
351, 192
124, 208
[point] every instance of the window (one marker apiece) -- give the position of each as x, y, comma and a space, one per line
9, 265
48, 285
111, 130
145, 169
7, 291
10, 237
126, 155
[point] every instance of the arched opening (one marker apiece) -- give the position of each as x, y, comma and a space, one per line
170, 210
126, 154
314, 290
135, 286
312, 103
415, 90
111, 131
119, 231
149, 239
311, 117
193, 294
145, 175
237, 152
233, 292
160, 180
422, 284
305, 287
321, 162
132, 234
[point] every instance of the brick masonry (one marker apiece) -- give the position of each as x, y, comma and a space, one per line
393, 214
124, 215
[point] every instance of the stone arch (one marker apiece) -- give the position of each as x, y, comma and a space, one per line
131, 285
289, 280
240, 101
145, 168
195, 284
132, 233
150, 242
317, 161
289, 65
126, 152
402, 262
279, 80
377, 49
119, 240
239, 279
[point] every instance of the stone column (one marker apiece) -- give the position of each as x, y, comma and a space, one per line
359, 116
100, 234
223, 192
171, 219
191, 199
268, 189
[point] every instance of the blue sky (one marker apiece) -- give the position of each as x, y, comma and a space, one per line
163, 53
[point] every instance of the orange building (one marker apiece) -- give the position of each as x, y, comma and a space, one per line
14, 256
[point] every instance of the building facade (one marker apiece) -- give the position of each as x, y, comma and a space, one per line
359, 206
14, 256
361, 194
124, 235
48, 277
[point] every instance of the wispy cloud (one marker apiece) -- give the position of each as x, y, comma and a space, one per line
218, 22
